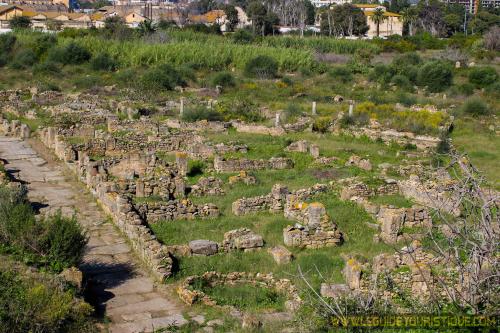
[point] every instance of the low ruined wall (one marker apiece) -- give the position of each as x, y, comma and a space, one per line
243, 164
257, 129
175, 210
155, 255
274, 201
14, 128
390, 135
189, 295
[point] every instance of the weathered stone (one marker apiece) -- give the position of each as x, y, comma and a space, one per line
352, 273
383, 262
334, 290
203, 247
242, 239
73, 275
281, 254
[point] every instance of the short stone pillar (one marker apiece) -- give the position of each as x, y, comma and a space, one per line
316, 211
313, 108
351, 108
181, 110
210, 104
277, 120
457, 64
51, 136
181, 162
314, 150
218, 89
25, 131
139, 188
180, 188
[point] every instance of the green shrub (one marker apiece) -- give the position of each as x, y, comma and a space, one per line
7, 42
243, 37
262, 67
24, 59
63, 241
403, 61
34, 302
54, 242
406, 99
343, 74
381, 73
358, 119
46, 67
483, 76
162, 77
200, 113
466, 89
43, 43
103, 62
402, 82
435, 75
87, 81
71, 53
475, 107
321, 124
223, 79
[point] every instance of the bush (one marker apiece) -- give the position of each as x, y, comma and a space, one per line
466, 89
224, 79
54, 242
46, 67
321, 124
7, 42
435, 75
43, 43
243, 37
262, 67
20, 22
63, 241
162, 77
401, 62
24, 59
475, 107
342, 74
87, 82
34, 302
72, 53
201, 113
483, 76
103, 62
402, 82
381, 73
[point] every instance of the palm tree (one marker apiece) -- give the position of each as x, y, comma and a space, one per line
377, 18
409, 16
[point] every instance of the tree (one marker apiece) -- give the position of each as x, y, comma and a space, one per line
431, 17
483, 21
378, 17
20, 22
147, 27
257, 13
232, 19
343, 20
409, 16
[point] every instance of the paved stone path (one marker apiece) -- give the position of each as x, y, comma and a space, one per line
117, 284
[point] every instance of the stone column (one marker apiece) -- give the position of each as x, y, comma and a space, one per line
180, 188
25, 131
139, 188
181, 111
277, 120
351, 107
315, 211
182, 163
313, 108
314, 150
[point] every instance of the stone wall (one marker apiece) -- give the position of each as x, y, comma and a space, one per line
190, 295
257, 129
314, 230
276, 200
208, 186
153, 212
278, 163
14, 128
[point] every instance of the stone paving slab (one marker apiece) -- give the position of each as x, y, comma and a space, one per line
121, 288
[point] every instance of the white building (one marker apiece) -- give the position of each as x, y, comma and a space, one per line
323, 3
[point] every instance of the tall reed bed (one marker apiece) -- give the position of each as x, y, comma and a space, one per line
320, 44
201, 54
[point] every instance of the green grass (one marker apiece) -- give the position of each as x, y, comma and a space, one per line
481, 144
394, 200
247, 297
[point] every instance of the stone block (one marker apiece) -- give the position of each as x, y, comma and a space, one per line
203, 247
281, 254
